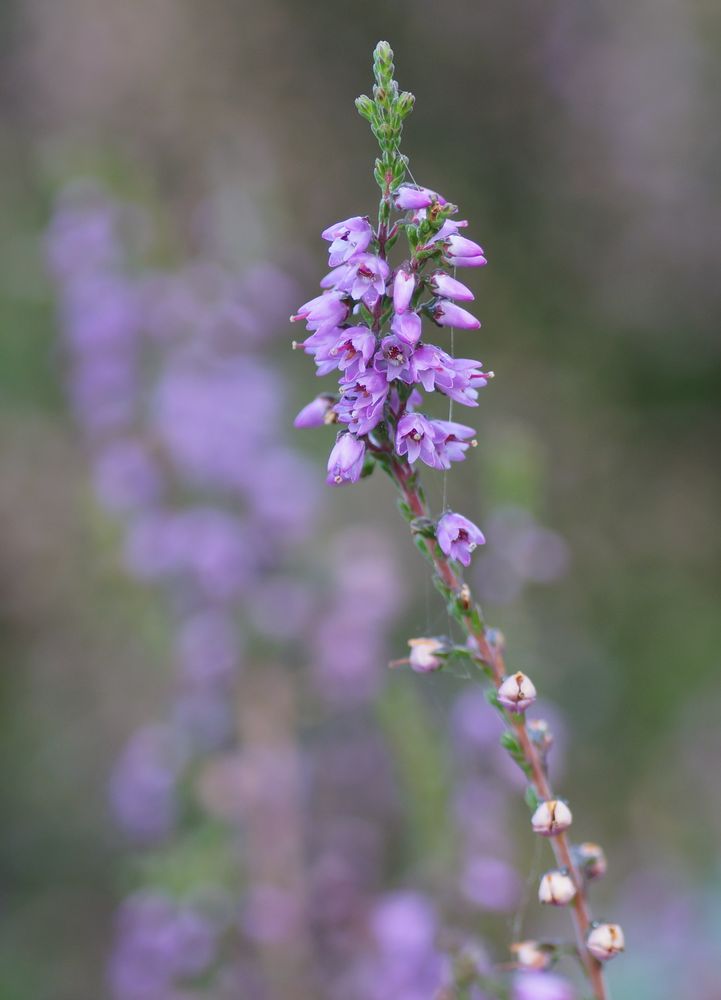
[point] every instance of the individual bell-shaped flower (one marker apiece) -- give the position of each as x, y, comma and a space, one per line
605, 941
447, 313
423, 657
404, 285
458, 537
411, 197
345, 462
347, 238
407, 327
551, 817
517, 692
463, 252
415, 438
449, 288
328, 309
556, 888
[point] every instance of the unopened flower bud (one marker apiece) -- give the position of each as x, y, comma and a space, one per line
403, 287
533, 955
423, 656
517, 692
605, 941
365, 106
556, 888
405, 103
318, 412
551, 817
591, 859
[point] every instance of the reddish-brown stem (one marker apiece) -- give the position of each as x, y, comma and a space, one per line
490, 655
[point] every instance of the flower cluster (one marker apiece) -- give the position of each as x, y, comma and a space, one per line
367, 325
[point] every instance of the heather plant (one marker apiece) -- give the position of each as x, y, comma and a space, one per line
367, 325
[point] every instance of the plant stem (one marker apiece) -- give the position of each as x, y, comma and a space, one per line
491, 656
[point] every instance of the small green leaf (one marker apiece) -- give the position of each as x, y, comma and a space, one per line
509, 742
405, 510
531, 798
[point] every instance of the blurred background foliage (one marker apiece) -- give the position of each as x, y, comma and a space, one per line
581, 141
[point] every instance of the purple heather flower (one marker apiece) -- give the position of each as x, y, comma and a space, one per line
354, 349
443, 284
349, 349
364, 278
456, 377
347, 238
458, 537
345, 462
415, 437
447, 313
404, 285
451, 441
316, 413
407, 327
328, 309
395, 360
362, 400
434, 369
464, 253
409, 197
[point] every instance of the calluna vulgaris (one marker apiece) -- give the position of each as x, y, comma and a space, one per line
367, 325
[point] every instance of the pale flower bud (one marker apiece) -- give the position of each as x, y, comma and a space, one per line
556, 888
517, 692
591, 859
605, 941
533, 955
551, 817
423, 656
